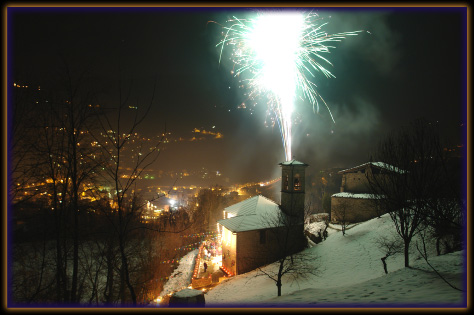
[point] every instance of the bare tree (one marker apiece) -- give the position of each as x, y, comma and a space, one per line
93, 265
50, 150
21, 138
414, 178
74, 115
326, 183
118, 136
31, 269
326, 203
446, 221
341, 213
422, 251
390, 246
284, 246
32, 278
445, 215
209, 208
55, 151
51, 167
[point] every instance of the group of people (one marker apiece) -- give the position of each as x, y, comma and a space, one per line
210, 250
320, 237
324, 234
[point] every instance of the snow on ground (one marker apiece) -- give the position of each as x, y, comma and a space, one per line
350, 272
406, 286
315, 227
181, 277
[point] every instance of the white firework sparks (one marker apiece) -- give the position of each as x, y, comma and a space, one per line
281, 50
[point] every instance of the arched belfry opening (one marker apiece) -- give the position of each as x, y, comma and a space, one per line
293, 188
296, 184
286, 183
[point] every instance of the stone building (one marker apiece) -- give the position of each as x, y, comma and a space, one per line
354, 202
255, 231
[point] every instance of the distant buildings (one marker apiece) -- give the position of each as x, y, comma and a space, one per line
354, 202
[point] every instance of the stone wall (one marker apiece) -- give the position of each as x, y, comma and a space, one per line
357, 209
253, 254
354, 182
357, 182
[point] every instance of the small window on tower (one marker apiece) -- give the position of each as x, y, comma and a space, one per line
297, 184
286, 183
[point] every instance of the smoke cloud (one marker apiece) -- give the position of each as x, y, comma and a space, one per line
378, 44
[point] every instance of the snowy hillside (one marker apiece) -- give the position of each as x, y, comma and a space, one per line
350, 273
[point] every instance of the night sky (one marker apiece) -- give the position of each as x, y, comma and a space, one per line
412, 64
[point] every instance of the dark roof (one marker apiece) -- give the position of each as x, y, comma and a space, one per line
355, 196
379, 165
293, 162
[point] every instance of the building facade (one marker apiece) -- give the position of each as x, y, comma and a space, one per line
355, 202
257, 231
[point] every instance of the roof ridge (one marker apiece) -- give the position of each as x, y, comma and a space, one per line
379, 164
267, 198
239, 222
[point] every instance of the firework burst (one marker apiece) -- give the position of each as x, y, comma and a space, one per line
281, 51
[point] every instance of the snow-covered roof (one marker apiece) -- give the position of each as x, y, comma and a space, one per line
252, 214
376, 164
187, 293
358, 196
294, 162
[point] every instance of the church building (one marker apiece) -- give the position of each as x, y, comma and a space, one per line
354, 202
258, 231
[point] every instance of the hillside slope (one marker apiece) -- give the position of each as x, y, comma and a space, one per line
350, 272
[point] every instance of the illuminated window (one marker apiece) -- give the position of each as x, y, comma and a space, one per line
297, 184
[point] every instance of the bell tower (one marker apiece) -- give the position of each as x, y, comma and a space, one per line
293, 188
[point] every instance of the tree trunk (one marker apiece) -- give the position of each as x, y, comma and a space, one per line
122, 286
75, 208
384, 264
66, 290
109, 287
58, 269
127, 276
406, 253
75, 266
59, 262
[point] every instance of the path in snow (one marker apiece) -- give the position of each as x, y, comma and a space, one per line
181, 277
